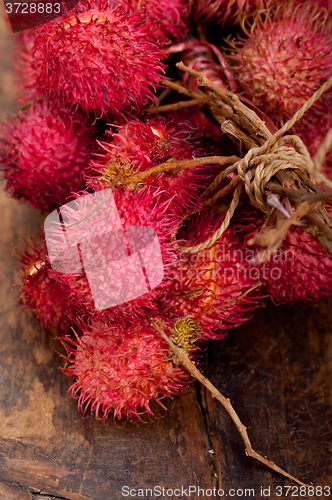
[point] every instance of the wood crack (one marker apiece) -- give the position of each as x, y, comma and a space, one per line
31, 489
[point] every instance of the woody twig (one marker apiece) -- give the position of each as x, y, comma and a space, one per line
182, 356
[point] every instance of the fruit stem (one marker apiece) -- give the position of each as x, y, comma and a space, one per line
179, 105
183, 358
176, 166
273, 239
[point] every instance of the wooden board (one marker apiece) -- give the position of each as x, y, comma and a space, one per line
277, 370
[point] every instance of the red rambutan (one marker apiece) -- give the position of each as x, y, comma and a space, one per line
312, 133
98, 58
206, 12
285, 58
299, 270
139, 146
126, 256
44, 153
210, 285
121, 371
25, 74
40, 293
170, 18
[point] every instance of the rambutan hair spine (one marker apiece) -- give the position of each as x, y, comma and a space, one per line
119, 371
39, 291
284, 57
126, 224
138, 146
44, 152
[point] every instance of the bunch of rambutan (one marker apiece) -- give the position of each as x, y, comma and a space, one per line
122, 169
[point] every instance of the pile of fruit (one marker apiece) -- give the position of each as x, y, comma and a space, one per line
99, 88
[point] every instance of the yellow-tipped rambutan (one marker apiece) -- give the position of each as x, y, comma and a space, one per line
119, 371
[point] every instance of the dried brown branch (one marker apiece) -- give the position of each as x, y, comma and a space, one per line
175, 166
165, 93
183, 358
273, 238
233, 301
242, 115
300, 195
179, 105
181, 89
319, 222
238, 136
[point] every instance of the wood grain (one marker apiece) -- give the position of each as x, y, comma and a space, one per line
277, 370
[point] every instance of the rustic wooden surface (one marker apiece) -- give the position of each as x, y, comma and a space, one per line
277, 370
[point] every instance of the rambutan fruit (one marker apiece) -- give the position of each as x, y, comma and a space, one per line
25, 74
217, 287
44, 153
326, 4
98, 58
206, 12
139, 146
299, 270
313, 132
285, 58
205, 128
40, 293
208, 59
169, 18
119, 371
126, 255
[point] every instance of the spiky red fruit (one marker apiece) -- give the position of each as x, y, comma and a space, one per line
139, 146
220, 11
25, 74
98, 58
326, 4
44, 153
300, 270
170, 18
121, 371
209, 285
285, 58
40, 293
313, 133
104, 243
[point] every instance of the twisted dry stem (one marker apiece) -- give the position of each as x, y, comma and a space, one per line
183, 358
272, 240
263, 162
175, 166
179, 105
